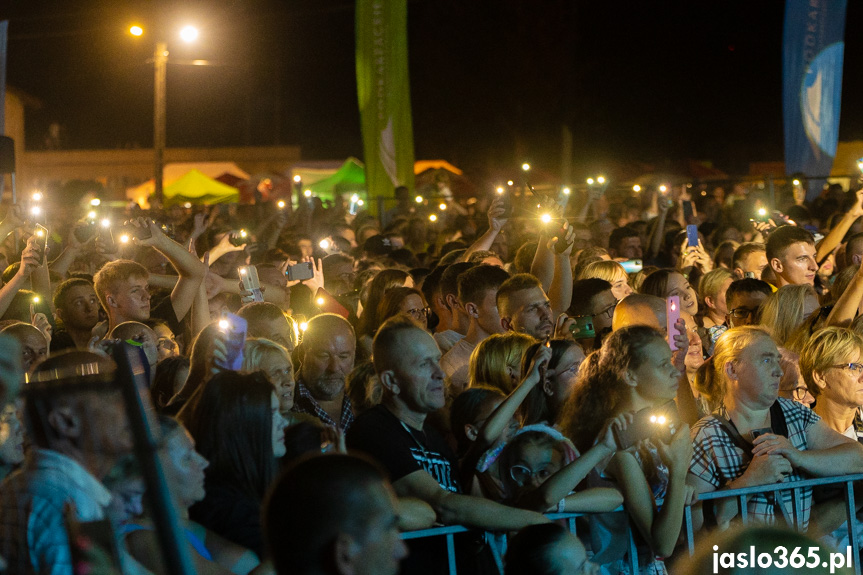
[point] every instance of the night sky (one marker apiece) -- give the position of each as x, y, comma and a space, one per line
492, 81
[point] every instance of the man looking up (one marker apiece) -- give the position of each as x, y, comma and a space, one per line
749, 258
123, 285
791, 255
308, 531
477, 291
524, 307
77, 306
417, 458
327, 351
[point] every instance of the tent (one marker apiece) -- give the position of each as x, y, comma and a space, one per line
196, 188
350, 178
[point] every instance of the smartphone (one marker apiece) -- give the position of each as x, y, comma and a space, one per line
672, 310
235, 328
507, 204
632, 266
354, 205
249, 278
138, 232
760, 431
692, 236
42, 234
238, 238
562, 245
649, 423
583, 327
301, 271
687, 211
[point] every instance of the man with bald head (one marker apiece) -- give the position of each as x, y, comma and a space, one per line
418, 460
138, 334
327, 355
640, 309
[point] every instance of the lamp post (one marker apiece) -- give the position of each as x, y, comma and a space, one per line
160, 65
160, 68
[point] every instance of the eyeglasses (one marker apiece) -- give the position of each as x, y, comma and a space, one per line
607, 312
857, 368
521, 474
742, 312
798, 393
419, 312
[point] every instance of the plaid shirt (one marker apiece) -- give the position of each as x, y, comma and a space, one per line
305, 403
717, 460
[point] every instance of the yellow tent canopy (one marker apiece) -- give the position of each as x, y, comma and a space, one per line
196, 188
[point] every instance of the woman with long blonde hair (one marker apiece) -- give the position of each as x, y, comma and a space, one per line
496, 361
786, 311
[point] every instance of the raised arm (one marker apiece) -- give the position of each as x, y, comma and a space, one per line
560, 290
496, 222
29, 262
849, 303
191, 270
836, 235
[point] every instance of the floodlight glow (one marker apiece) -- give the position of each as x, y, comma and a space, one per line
590, 181
136, 31
526, 167
566, 191
189, 34
500, 190
298, 179
600, 179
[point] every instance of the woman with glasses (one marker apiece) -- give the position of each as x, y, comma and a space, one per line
792, 385
406, 300
832, 365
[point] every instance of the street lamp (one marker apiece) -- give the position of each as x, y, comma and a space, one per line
160, 68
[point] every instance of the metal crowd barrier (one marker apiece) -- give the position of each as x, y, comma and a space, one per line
795, 521
498, 540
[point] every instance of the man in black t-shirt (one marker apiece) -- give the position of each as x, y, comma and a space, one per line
419, 462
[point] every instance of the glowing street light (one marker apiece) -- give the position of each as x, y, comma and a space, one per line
418, 199
526, 167
600, 179
297, 179
307, 193
442, 207
433, 218
566, 191
509, 182
136, 31
500, 190
590, 181
189, 34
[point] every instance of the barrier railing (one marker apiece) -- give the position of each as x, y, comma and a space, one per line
794, 522
497, 541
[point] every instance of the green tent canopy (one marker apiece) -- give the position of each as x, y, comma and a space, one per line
350, 178
196, 188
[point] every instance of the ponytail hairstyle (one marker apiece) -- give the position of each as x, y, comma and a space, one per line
601, 384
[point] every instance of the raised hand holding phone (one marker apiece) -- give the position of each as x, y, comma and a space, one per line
234, 327
672, 310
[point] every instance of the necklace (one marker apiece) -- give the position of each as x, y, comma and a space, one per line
415, 440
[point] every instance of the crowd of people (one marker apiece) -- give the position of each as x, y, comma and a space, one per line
319, 381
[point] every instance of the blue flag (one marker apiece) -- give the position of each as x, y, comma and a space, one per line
4, 31
812, 55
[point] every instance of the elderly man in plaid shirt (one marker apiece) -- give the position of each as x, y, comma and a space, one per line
757, 438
